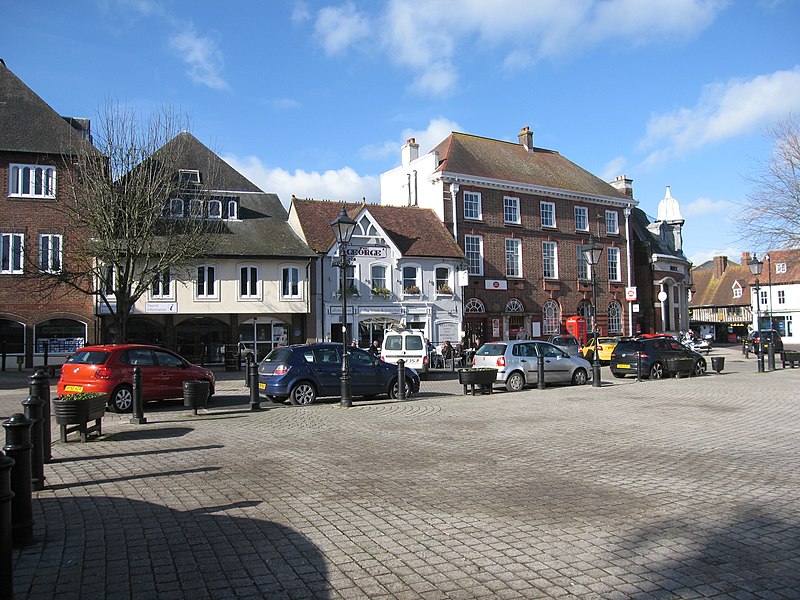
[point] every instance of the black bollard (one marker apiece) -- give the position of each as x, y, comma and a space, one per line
46, 351
33, 407
137, 417
6, 546
248, 362
18, 446
540, 372
252, 370
401, 379
639, 366
40, 386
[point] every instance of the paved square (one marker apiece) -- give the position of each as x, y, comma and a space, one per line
683, 488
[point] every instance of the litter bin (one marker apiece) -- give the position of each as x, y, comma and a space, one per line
718, 363
195, 394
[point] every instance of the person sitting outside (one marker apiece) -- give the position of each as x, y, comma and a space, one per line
447, 353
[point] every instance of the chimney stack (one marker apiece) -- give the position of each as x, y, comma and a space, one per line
745, 258
526, 138
623, 184
720, 264
410, 151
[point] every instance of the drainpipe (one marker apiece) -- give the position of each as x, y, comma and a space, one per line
416, 197
629, 260
408, 186
454, 187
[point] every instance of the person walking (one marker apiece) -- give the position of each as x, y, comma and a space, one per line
375, 349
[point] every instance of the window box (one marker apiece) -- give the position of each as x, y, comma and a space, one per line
444, 290
411, 290
381, 291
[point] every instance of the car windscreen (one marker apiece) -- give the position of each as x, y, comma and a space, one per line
88, 357
491, 350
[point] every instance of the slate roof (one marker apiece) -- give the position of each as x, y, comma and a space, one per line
415, 231
509, 161
262, 231
639, 223
28, 124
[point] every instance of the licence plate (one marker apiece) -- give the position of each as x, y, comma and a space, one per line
623, 366
73, 388
262, 386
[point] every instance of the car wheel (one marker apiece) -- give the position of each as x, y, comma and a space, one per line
394, 391
302, 394
579, 377
657, 371
515, 382
121, 400
699, 367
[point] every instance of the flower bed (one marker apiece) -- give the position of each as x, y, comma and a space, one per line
74, 412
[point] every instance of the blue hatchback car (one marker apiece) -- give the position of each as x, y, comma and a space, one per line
304, 372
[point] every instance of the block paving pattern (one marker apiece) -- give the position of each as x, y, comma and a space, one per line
683, 488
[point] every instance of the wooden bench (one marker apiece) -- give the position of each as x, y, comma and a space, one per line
791, 357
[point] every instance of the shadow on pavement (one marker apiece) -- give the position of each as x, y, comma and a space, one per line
140, 453
173, 473
164, 552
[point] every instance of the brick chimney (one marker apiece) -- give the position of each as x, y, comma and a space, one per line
410, 151
745, 258
624, 185
526, 138
720, 264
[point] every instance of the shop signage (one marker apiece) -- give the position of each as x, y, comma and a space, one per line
373, 252
160, 307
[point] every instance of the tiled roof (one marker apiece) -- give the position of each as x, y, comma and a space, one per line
509, 161
28, 124
415, 231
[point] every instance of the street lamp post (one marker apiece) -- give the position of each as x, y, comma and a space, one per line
592, 255
343, 227
771, 350
755, 268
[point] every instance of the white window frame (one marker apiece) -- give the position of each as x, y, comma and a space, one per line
51, 256
584, 268
18, 173
380, 281
547, 211
614, 317
763, 297
440, 282
212, 213
612, 222
737, 291
176, 208
473, 200
551, 318
475, 266
195, 209
107, 287
550, 260
511, 213
249, 279
233, 210
405, 280
582, 217
612, 258
781, 296
162, 287
780, 268
203, 293
513, 257
291, 284
12, 260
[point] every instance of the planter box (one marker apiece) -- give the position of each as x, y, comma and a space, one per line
482, 379
75, 416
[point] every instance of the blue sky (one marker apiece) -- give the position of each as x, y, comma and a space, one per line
316, 98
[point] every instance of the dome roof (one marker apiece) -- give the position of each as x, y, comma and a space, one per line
669, 209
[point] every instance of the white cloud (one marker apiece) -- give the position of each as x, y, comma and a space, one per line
705, 255
202, 56
706, 206
725, 110
612, 168
437, 130
300, 12
340, 184
339, 28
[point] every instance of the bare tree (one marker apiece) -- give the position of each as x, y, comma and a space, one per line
126, 234
770, 217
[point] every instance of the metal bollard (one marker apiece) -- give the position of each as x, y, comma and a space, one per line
540, 372
247, 366
138, 417
252, 370
32, 406
40, 386
638, 366
6, 546
401, 379
18, 446
771, 357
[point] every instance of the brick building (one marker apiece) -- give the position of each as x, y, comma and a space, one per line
523, 216
37, 318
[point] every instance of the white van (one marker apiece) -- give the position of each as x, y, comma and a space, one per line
407, 344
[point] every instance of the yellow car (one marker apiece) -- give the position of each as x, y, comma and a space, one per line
605, 346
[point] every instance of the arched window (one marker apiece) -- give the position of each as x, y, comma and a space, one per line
551, 318
614, 317
514, 305
474, 305
585, 309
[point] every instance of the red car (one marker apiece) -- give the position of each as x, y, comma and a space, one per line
109, 369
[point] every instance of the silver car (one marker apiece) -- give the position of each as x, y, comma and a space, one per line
568, 343
517, 363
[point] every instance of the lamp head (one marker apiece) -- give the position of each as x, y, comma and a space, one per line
343, 227
755, 265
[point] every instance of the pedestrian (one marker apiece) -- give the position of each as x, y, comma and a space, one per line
375, 349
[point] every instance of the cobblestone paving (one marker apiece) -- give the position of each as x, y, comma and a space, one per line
672, 489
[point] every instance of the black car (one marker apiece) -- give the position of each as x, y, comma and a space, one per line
302, 373
764, 337
656, 357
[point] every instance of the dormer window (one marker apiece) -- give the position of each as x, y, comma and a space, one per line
233, 210
176, 208
189, 176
